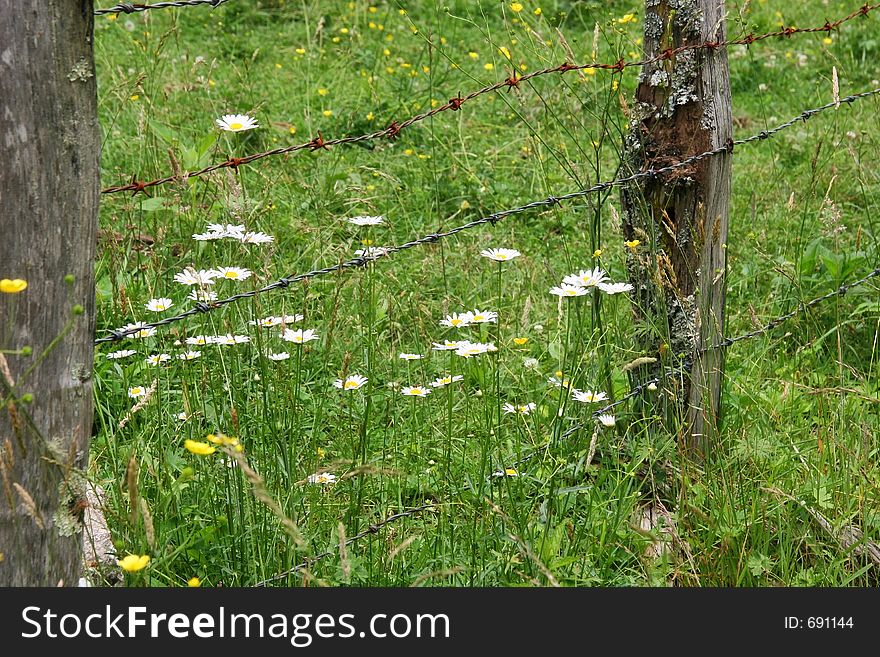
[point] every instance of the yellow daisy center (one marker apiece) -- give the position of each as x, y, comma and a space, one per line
236, 125
350, 384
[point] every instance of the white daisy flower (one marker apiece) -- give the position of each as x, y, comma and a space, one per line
233, 273
352, 382
566, 290
615, 288
256, 238
586, 278
190, 276
588, 396
446, 380
137, 391
158, 305
200, 339
500, 255
372, 252
652, 386
558, 381
607, 420
521, 409
364, 220
475, 349
198, 294
237, 123
415, 391
189, 355
183, 416
207, 237
241, 339
322, 478
225, 340
282, 355
530, 363
272, 320
157, 359
235, 231
299, 336
122, 353
457, 320
483, 316
410, 356
449, 345
143, 331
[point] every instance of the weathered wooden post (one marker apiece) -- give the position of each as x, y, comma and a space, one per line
680, 219
49, 190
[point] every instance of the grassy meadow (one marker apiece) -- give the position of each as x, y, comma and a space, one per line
237, 458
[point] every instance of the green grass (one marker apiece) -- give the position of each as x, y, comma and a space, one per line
800, 405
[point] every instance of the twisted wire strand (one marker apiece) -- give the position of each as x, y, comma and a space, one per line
454, 104
135, 7
362, 261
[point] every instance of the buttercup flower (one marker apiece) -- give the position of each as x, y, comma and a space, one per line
132, 563
122, 353
299, 336
353, 382
520, 341
410, 356
500, 255
199, 448
158, 305
566, 290
415, 391
456, 320
194, 582
137, 391
364, 220
588, 396
632, 244
236, 123
446, 380
12, 286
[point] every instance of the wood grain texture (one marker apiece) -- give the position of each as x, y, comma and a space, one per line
683, 107
49, 190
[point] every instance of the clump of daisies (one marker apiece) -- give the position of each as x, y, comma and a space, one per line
582, 283
235, 232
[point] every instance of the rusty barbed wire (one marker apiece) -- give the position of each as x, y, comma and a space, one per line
377, 252
454, 104
133, 7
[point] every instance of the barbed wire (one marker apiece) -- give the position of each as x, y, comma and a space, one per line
201, 307
133, 7
318, 143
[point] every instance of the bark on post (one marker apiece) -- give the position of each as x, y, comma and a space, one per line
49, 190
680, 219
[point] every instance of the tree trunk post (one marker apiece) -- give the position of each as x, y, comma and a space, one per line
680, 219
49, 191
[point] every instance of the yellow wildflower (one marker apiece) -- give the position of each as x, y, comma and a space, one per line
194, 582
520, 341
13, 286
632, 244
516, 7
132, 563
202, 449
